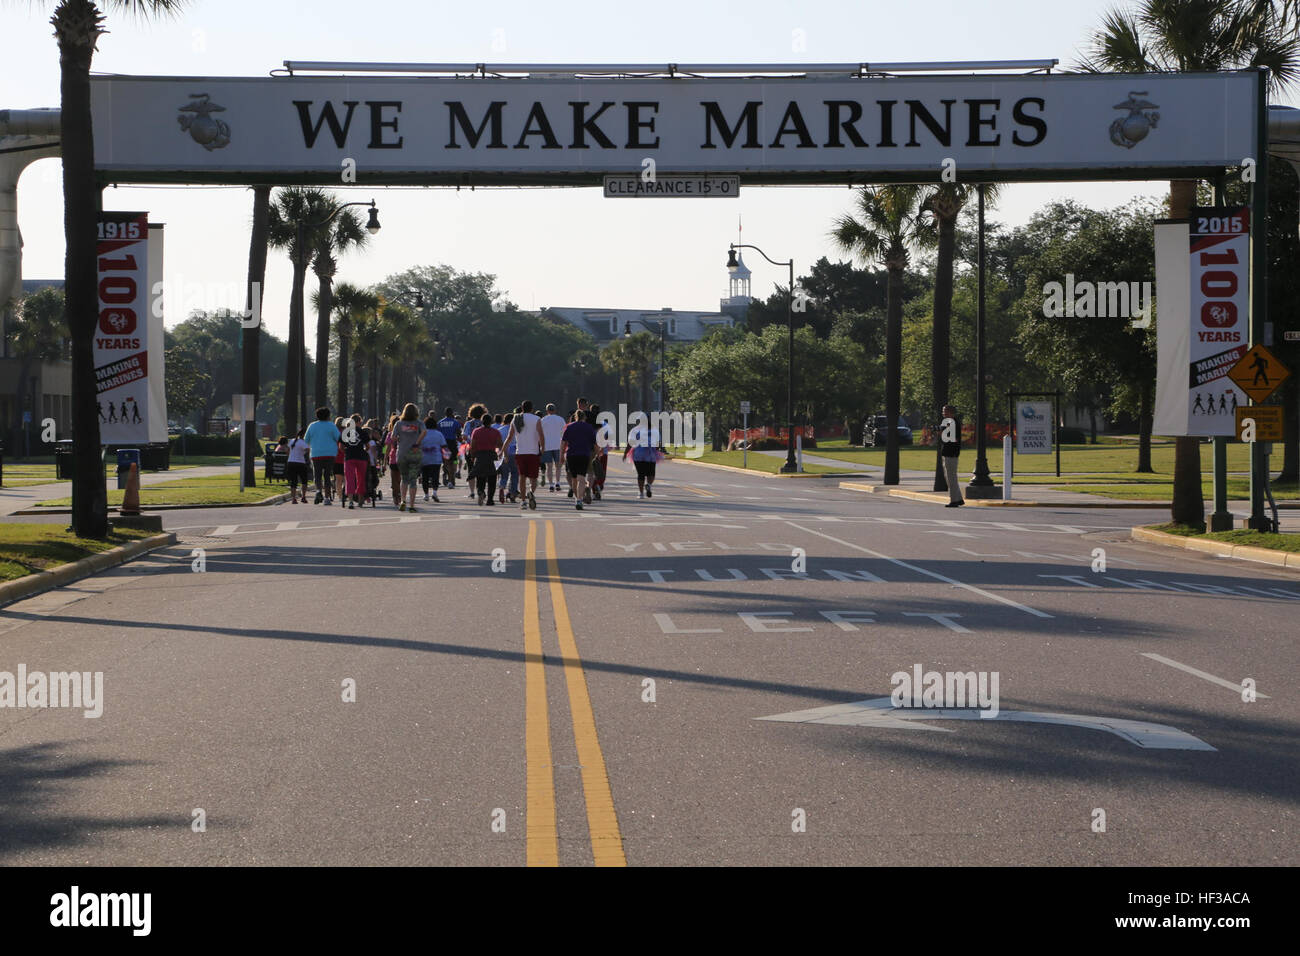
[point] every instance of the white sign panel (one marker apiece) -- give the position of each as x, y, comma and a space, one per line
695, 187
121, 342
157, 416
1034, 428
766, 129
1203, 327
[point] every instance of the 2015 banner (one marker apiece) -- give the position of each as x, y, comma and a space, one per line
128, 336
1203, 291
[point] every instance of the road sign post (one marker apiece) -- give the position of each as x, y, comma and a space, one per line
242, 409
744, 453
1258, 373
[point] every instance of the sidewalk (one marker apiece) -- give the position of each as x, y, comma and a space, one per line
19, 499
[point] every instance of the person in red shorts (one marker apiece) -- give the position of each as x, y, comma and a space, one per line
526, 433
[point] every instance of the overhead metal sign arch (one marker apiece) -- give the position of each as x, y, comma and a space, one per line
564, 128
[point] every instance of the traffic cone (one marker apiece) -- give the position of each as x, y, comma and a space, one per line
131, 496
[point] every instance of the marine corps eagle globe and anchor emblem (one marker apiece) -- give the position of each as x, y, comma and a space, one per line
1142, 119
208, 132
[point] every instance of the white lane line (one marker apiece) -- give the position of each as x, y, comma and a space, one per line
932, 574
223, 529
1201, 674
288, 525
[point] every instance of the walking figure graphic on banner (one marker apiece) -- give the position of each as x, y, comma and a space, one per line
112, 413
1223, 403
1234, 403
99, 407
1199, 406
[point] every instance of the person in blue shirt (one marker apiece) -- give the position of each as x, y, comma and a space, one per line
509, 470
449, 425
576, 447
323, 437
432, 461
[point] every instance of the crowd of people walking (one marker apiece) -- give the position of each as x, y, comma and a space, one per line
503, 458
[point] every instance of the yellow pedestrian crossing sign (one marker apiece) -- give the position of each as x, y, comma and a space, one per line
1258, 373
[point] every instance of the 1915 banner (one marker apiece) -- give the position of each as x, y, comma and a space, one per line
1204, 302
128, 336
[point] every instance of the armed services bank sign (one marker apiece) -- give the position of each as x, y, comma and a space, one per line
498, 130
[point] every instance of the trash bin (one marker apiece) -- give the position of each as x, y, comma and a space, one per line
126, 457
276, 463
63, 460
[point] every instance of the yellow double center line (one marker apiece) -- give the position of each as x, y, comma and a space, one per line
540, 826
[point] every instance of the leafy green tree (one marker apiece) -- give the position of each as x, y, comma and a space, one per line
889, 222
39, 333
1081, 353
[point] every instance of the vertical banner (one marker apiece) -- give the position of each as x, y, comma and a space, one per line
121, 346
1219, 245
1034, 428
157, 413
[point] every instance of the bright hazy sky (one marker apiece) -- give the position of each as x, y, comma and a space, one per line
552, 247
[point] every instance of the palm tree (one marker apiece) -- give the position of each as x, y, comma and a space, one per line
343, 233
39, 333
944, 203
296, 205
367, 339
1163, 36
78, 25
891, 220
252, 335
351, 304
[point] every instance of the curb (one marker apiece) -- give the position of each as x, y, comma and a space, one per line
1289, 560
12, 591
938, 497
274, 500
765, 474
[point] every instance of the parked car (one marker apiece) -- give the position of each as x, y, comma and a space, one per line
876, 431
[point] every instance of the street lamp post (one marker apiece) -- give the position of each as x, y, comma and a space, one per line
790, 466
663, 367
981, 485
372, 227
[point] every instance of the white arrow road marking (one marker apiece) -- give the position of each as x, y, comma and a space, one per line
1201, 674
977, 554
932, 574
880, 712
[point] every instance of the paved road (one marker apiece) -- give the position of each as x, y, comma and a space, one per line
599, 699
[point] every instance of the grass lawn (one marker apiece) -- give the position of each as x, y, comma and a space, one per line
758, 462
41, 471
1111, 458
1238, 490
28, 548
1255, 539
210, 490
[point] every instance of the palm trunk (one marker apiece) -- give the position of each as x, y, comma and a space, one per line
1144, 428
344, 344
940, 343
292, 372
324, 305
252, 337
381, 391
893, 371
359, 396
1188, 499
77, 27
